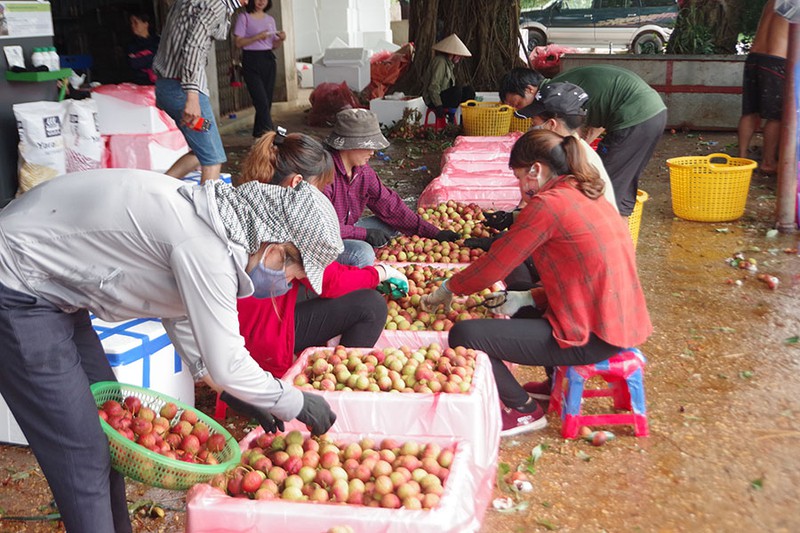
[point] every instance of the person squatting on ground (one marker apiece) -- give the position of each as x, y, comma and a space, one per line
182, 90
621, 103
592, 302
123, 244
762, 86
356, 187
440, 91
257, 35
278, 328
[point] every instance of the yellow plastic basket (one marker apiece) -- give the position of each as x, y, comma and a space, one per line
139, 463
485, 118
635, 220
707, 191
519, 124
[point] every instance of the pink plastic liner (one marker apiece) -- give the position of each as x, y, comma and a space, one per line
498, 155
475, 168
467, 492
131, 151
488, 195
506, 141
143, 95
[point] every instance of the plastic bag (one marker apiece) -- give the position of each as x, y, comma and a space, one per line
327, 100
84, 149
547, 59
41, 142
385, 68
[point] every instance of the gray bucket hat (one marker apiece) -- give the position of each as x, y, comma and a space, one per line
356, 129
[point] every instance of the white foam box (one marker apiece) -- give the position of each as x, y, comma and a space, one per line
355, 75
141, 354
10, 431
127, 108
151, 151
391, 111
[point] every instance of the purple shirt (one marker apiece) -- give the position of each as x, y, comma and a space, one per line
351, 196
248, 26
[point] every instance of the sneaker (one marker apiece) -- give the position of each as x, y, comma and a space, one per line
515, 422
539, 390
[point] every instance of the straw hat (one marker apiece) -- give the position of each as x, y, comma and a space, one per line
452, 45
356, 129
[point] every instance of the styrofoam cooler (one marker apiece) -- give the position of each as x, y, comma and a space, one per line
461, 509
453, 177
498, 155
10, 431
505, 141
140, 353
147, 151
473, 416
127, 108
390, 111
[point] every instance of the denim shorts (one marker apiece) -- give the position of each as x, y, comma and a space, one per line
206, 145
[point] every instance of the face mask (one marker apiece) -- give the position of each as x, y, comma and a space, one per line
540, 182
269, 283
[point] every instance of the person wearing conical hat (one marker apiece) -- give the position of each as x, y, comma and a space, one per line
440, 91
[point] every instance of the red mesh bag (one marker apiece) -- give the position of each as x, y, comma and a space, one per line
327, 100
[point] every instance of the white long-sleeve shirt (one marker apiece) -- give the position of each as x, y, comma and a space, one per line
131, 243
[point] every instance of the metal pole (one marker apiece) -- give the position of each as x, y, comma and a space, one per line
786, 205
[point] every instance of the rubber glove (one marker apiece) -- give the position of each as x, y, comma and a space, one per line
498, 220
377, 237
515, 300
393, 282
265, 419
442, 296
316, 414
484, 243
447, 235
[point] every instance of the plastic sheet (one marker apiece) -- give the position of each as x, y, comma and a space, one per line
487, 196
385, 69
473, 168
127, 108
466, 495
547, 59
155, 151
488, 178
492, 142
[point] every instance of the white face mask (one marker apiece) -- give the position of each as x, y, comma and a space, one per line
530, 188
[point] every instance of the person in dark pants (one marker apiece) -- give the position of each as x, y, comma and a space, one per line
439, 88
592, 301
257, 36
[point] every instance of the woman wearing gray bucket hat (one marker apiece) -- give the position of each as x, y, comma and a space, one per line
356, 187
124, 244
439, 89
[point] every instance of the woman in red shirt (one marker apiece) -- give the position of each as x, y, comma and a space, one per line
277, 328
590, 296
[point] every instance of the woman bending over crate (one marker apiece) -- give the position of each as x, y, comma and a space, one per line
592, 302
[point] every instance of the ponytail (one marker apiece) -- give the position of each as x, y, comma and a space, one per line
274, 158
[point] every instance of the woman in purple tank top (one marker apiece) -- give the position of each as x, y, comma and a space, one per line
257, 36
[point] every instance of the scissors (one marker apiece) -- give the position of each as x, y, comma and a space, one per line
492, 302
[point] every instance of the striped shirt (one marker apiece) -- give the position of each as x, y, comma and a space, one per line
189, 31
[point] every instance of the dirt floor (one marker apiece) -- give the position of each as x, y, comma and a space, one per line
722, 393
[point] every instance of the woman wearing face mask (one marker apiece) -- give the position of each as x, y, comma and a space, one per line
124, 244
276, 330
592, 302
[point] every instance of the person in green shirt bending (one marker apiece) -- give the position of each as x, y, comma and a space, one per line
620, 103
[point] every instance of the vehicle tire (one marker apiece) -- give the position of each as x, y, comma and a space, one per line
535, 38
648, 43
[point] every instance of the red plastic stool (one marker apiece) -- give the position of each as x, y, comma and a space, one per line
624, 373
440, 122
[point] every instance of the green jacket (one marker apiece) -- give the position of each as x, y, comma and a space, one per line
440, 76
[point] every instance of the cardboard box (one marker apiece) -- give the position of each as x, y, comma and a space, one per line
140, 353
151, 151
467, 491
391, 111
126, 109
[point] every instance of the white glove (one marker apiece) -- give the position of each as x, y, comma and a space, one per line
388, 272
442, 296
515, 300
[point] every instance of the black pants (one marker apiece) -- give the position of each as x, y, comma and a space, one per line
49, 360
359, 317
258, 70
525, 341
456, 94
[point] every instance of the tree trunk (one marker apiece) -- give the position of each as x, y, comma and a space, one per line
489, 28
708, 27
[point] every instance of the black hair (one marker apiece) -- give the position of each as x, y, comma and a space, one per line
251, 6
572, 122
517, 80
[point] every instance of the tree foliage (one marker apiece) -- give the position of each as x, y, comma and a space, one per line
711, 26
489, 28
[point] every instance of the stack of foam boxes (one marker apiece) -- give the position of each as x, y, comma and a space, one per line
475, 170
140, 353
137, 133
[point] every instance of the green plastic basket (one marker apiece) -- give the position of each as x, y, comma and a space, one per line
150, 468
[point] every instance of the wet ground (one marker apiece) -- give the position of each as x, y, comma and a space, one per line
721, 380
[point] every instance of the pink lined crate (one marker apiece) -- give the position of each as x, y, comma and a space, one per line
465, 497
486, 195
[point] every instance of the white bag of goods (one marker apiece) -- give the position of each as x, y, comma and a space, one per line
84, 147
41, 142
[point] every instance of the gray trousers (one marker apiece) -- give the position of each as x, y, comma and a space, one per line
49, 359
